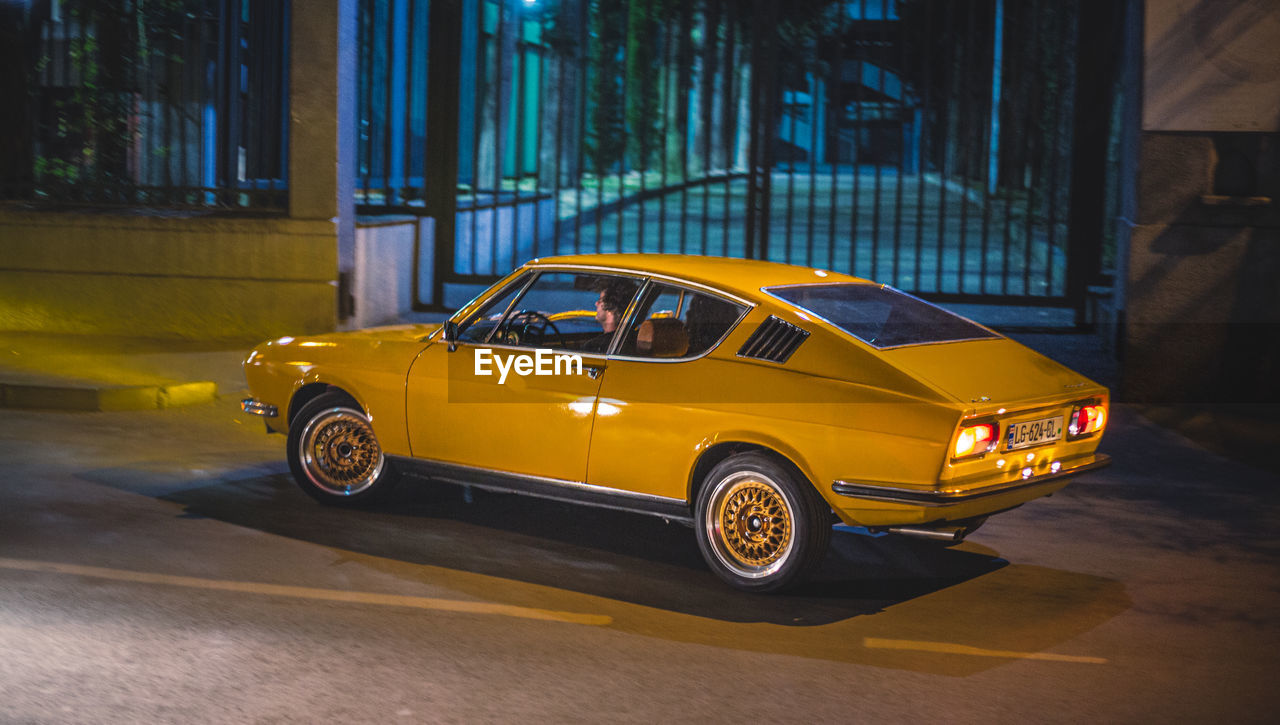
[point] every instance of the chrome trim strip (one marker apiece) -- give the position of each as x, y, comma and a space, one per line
575, 485
256, 407
555, 266
997, 336
874, 492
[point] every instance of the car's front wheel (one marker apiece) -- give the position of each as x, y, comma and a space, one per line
761, 526
334, 454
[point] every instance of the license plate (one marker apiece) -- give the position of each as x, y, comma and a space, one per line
1033, 432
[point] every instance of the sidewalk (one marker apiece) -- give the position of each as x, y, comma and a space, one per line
73, 372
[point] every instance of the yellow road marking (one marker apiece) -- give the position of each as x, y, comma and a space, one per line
962, 649
331, 595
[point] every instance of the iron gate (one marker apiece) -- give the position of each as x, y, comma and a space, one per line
928, 144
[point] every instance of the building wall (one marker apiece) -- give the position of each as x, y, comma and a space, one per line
384, 268
1202, 295
165, 274
150, 276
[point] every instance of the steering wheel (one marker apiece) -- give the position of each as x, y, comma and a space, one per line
529, 327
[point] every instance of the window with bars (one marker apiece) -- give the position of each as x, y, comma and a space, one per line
155, 103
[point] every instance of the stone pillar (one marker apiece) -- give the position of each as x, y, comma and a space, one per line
1202, 292
323, 63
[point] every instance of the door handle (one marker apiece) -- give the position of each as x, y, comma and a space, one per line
593, 371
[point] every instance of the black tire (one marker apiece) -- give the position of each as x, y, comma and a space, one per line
761, 526
335, 456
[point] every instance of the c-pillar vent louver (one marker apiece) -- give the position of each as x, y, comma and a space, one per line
775, 341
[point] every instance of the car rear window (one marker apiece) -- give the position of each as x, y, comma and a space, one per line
880, 316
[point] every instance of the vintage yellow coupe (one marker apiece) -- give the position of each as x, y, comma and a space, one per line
759, 402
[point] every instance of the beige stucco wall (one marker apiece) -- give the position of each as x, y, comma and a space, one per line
1202, 289
1203, 321
197, 277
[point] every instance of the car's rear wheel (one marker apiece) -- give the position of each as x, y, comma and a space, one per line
334, 454
761, 526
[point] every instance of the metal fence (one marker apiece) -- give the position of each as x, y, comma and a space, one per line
158, 103
924, 143
929, 144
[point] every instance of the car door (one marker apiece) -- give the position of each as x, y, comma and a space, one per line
477, 406
660, 397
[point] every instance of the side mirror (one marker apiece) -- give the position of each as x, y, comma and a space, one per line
451, 334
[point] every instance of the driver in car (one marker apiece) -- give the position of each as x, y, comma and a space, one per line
614, 296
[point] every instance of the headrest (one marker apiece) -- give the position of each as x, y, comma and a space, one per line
662, 337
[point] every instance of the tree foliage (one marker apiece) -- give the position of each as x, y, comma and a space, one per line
607, 137
85, 94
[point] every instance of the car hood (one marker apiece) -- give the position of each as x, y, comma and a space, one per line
997, 370
331, 344
397, 332
387, 333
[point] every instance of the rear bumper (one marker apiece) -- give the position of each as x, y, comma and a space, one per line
961, 495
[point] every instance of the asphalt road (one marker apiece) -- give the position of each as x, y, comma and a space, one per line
162, 567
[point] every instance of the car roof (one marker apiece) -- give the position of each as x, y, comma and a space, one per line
743, 276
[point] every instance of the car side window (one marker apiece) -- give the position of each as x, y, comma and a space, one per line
673, 322
481, 323
568, 311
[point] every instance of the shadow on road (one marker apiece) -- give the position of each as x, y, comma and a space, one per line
638, 559
877, 601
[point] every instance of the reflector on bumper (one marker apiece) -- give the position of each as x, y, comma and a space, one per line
255, 407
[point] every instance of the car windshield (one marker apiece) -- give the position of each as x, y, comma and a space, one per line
880, 316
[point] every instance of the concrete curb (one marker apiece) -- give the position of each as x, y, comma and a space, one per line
81, 398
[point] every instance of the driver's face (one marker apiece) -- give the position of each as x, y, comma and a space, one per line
607, 318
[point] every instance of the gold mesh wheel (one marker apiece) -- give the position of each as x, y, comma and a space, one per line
339, 452
750, 522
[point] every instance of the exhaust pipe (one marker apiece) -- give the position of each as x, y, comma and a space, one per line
951, 534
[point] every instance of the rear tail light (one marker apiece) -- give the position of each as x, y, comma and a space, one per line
975, 440
1087, 420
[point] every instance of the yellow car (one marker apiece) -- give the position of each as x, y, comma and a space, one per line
761, 403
